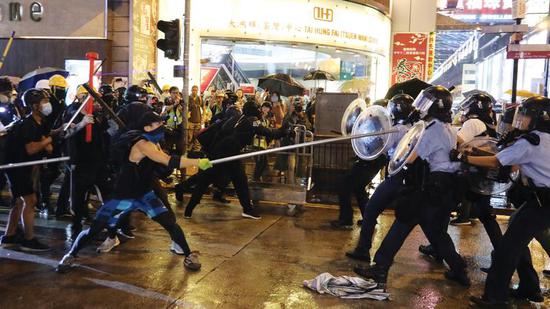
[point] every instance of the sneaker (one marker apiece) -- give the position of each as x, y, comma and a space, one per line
9, 241
108, 245
66, 263
187, 213
126, 233
358, 255
460, 221
430, 252
375, 272
460, 277
337, 224
251, 214
535, 297
176, 249
191, 261
34, 245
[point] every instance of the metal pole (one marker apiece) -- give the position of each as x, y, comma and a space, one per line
185, 89
308, 144
515, 71
7, 49
37, 162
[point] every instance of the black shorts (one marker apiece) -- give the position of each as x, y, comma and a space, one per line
23, 181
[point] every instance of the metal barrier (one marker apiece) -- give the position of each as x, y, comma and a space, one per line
329, 162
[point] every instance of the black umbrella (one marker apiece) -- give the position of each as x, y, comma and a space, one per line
283, 84
411, 87
319, 75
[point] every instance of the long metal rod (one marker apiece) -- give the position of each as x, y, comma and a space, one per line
37, 162
7, 49
302, 145
77, 112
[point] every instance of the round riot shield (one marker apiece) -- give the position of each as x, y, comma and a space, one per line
354, 109
373, 119
406, 147
486, 181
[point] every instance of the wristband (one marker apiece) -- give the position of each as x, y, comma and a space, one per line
174, 162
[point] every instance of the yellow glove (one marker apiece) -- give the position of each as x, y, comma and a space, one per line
204, 164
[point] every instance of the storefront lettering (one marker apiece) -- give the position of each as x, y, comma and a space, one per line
15, 11
323, 14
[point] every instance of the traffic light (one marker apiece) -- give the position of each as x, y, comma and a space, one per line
171, 42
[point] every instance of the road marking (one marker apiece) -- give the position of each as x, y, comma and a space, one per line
25, 257
132, 289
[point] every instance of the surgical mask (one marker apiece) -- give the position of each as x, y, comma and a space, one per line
46, 109
155, 136
274, 98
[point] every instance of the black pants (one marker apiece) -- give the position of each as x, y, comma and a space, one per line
234, 171
484, 211
383, 196
261, 165
513, 254
433, 217
63, 199
85, 176
354, 182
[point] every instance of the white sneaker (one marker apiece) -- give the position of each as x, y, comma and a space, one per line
176, 249
108, 245
66, 263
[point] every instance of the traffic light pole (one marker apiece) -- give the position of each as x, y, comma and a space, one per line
185, 89
515, 71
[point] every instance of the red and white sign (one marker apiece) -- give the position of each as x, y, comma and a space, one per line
409, 56
528, 51
247, 88
207, 76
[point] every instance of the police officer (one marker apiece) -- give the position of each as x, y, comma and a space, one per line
241, 131
476, 111
400, 106
430, 200
29, 141
530, 153
356, 179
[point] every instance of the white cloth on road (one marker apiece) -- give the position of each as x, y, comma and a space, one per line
346, 287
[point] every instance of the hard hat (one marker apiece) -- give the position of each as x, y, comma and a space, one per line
81, 90
166, 87
42, 84
58, 81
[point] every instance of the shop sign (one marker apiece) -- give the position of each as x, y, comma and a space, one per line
207, 76
409, 56
477, 7
528, 51
53, 18
143, 38
323, 22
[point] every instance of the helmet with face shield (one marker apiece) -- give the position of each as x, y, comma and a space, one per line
533, 114
435, 102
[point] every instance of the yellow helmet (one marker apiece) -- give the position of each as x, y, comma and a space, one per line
58, 81
149, 90
166, 87
81, 90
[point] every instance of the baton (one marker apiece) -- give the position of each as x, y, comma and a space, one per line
154, 81
99, 100
28, 163
308, 144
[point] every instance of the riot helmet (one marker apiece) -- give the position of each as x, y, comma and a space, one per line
478, 105
532, 114
436, 102
135, 93
106, 89
381, 102
400, 106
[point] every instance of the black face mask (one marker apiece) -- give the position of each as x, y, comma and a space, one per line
59, 95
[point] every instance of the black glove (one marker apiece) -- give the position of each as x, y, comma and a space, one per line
457, 156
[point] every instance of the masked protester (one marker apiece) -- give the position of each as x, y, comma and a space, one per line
29, 141
142, 158
108, 95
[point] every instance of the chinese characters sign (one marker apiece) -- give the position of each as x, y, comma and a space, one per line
144, 37
410, 56
477, 7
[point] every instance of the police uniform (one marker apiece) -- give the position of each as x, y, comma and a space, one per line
532, 218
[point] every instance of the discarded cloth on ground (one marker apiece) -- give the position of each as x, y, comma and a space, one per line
346, 287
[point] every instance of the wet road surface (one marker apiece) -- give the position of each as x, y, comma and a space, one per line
245, 264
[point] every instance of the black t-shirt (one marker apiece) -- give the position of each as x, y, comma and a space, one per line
24, 132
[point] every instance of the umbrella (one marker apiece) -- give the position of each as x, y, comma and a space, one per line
522, 93
283, 84
29, 80
318, 75
356, 84
411, 87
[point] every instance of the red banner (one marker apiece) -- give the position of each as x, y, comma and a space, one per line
207, 76
410, 56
